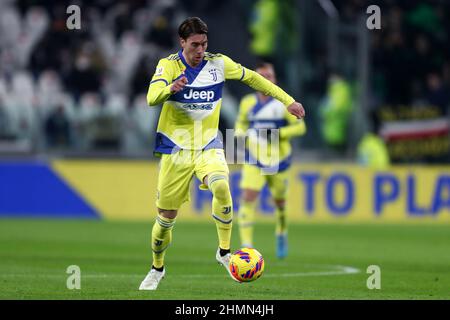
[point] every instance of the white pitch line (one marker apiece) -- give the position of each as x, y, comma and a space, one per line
338, 270
341, 270
344, 270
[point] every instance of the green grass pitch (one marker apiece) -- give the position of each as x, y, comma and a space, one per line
324, 262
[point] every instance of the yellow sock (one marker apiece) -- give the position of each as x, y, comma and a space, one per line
281, 223
222, 208
246, 219
161, 239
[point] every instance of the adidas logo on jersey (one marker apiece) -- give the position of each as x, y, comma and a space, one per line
206, 94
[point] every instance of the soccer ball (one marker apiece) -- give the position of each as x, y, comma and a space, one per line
246, 264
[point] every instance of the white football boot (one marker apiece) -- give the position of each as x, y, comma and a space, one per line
225, 261
152, 279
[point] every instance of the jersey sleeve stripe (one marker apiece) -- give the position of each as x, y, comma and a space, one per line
165, 81
243, 74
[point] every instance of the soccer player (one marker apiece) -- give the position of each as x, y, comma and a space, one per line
189, 84
267, 161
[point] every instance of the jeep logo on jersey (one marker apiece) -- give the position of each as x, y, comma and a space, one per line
207, 95
195, 95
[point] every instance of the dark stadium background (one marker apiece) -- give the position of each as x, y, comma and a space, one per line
78, 177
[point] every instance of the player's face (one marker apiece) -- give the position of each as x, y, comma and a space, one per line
268, 73
194, 48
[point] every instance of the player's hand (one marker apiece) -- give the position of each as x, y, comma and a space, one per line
178, 85
297, 110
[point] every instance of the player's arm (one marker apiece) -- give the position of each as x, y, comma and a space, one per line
161, 87
235, 71
295, 127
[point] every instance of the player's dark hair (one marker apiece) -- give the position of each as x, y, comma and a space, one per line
263, 64
190, 26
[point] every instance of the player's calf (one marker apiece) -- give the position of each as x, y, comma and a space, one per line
246, 218
161, 239
222, 206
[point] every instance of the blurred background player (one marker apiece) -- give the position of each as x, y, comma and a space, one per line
189, 84
372, 151
268, 155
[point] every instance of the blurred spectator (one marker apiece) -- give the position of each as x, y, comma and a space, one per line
264, 27
335, 111
142, 76
3, 120
425, 17
123, 19
372, 151
88, 110
55, 44
57, 129
437, 94
161, 32
396, 65
140, 126
85, 76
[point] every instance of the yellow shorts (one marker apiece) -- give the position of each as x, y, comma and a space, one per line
176, 172
252, 179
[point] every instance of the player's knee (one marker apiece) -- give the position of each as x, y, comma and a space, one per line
222, 191
222, 203
168, 214
219, 187
249, 195
165, 223
280, 203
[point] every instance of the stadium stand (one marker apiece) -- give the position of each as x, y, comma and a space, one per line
99, 73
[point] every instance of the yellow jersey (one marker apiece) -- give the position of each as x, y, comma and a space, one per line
254, 115
189, 119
